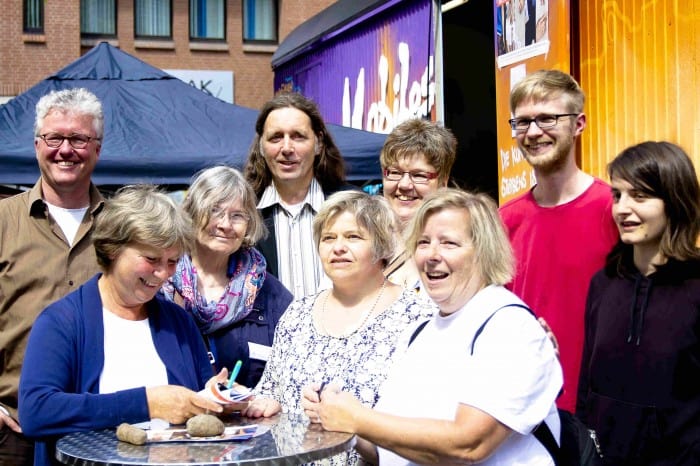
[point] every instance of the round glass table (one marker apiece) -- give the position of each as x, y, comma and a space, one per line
286, 441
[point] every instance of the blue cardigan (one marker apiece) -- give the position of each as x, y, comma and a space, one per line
59, 384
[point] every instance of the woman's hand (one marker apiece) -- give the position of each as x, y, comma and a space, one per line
221, 377
262, 407
177, 404
310, 398
336, 410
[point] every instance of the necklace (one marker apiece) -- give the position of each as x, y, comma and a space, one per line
364, 319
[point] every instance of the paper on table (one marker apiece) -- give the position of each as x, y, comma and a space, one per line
222, 395
233, 433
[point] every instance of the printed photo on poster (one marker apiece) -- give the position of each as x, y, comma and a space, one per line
521, 30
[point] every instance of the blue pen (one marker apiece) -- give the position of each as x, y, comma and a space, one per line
234, 373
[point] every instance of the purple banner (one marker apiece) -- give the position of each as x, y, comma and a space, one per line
374, 75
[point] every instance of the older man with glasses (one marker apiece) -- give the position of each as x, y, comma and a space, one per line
45, 246
562, 229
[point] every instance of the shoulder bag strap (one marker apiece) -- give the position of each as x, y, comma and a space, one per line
542, 431
481, 328
544, 435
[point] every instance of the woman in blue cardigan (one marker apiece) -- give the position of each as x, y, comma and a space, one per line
112, 352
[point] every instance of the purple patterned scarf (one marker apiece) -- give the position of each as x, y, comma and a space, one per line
246, 270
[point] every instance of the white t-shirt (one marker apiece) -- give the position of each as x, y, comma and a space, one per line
131, 359
68, 219
513, 375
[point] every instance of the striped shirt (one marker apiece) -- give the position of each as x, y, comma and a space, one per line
299, 266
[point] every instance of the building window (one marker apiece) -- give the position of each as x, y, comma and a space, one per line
33, 16
153, 18
208, 19
260, 20
98, 17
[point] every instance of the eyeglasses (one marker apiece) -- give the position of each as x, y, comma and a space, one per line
76, 141
542, 121
417, 177
235, 218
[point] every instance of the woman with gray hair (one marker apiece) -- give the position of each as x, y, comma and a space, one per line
222, 279
111, 351
349, 333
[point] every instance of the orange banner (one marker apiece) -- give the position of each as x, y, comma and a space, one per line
530, 35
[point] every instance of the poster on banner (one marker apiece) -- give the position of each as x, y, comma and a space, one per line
530, 35
522, 29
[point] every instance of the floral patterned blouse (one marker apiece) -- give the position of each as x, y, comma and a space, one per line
359, 362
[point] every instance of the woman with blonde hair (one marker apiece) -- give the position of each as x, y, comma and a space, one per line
348, 333
479, 377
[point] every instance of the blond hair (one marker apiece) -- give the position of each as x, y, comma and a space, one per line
546, 85
492, 248
372, 213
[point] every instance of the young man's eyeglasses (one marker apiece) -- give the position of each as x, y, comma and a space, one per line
417, 177
76, 141
542, 121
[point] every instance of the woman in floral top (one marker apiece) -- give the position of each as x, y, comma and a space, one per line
349, 333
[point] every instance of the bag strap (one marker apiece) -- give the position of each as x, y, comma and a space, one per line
481, 328
478, 331
545, 437
395, 264
542, 431
417, 331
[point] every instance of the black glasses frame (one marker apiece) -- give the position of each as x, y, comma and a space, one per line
515, 123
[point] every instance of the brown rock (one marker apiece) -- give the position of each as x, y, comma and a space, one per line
205, 425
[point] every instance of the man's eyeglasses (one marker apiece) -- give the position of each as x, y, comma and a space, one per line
236, 218
76, 141
542, 121
417, 177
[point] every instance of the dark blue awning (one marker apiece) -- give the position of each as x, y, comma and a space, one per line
158, 129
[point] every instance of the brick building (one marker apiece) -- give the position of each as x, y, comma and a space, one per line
233, 37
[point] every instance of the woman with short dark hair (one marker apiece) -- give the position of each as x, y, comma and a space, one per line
639, 384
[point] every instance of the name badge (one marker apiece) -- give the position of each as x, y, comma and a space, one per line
258, 351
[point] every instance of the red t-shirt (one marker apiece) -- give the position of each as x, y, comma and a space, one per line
558, 250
